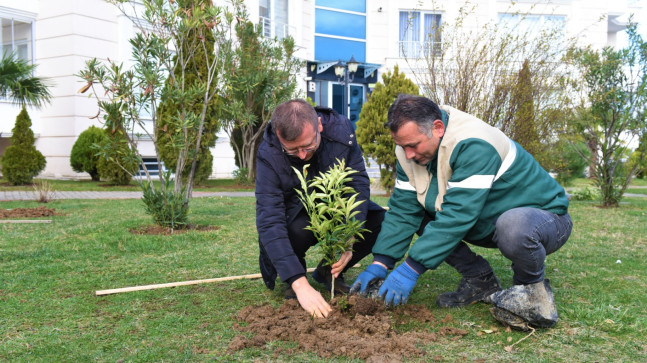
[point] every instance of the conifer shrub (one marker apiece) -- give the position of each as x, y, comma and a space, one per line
21, 161
373, 136
84, 156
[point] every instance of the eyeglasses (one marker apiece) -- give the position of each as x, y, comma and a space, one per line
309, 148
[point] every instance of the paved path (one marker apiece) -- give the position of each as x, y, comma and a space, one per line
30, 195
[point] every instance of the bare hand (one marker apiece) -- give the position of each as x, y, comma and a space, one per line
310, 299
339, 266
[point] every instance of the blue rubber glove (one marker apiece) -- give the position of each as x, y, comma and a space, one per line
396, 288
374, 273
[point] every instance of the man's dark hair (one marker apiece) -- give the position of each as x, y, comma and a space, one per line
420, 110
289, 118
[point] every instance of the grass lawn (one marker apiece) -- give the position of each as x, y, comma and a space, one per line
639, 182
49, 273
636, 191
585, 182
637, 186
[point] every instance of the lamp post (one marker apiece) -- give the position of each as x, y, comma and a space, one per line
347, 72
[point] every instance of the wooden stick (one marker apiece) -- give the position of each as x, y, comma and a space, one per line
182, 283
25, 221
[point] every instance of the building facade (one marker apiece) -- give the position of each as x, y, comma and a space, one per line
346, 45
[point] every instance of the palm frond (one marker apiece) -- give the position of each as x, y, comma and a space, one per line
18, 83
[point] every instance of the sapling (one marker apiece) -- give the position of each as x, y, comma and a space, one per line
332, 207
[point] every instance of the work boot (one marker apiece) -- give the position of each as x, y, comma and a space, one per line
323, 276
522, 306
470, 290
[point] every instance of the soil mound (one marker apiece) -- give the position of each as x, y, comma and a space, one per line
356, 328
41, 211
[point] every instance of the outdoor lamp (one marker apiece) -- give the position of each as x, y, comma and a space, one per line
339, 69
352, 65
346, 73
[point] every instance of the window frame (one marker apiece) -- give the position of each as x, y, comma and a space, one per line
423, 45
14, 43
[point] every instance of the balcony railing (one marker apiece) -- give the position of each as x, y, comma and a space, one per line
271, 29
417, 49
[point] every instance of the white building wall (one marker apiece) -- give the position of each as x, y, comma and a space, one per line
585, 19
69, 32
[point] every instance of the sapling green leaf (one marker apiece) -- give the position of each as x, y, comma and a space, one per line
331, 206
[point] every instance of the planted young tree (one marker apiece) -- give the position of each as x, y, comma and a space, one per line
612, 112
172, 35
331, 206
373, 136
478, 70
261, 75
84, 157
21, 161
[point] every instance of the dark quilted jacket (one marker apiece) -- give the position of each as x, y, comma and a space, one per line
276, 200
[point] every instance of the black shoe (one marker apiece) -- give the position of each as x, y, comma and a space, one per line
323, 276
470, 290
290, 294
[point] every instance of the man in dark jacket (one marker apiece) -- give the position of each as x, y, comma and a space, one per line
298, 135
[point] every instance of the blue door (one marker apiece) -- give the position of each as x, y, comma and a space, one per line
338, 98
356, 100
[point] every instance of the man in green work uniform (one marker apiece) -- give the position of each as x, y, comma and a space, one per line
469, 183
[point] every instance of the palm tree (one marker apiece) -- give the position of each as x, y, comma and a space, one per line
18, 83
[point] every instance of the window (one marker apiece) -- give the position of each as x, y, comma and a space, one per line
16, 37
340, 30
531, 25
350, 5
273, 18
340, 24
532, 28
419, 34
333, 49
